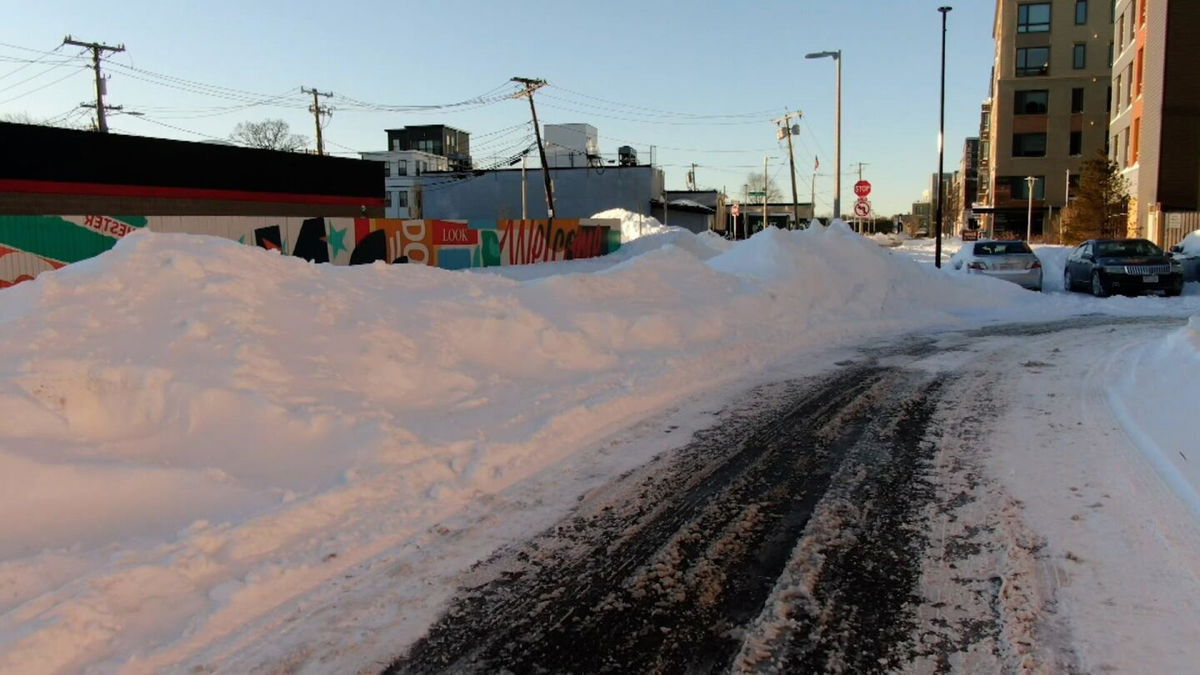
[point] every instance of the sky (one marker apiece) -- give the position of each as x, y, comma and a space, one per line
700, 81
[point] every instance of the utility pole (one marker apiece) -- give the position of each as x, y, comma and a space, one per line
860, 166
785, 129
524, 190
317, 110
532, 85
97, 47
766, 182
692, 178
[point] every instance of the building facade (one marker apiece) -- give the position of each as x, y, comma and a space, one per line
1155, 128
1049, 106
434, 139
403, 174
571, 145
579, 192
966, 184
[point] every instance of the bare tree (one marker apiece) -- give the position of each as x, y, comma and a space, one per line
270, 134
754, 183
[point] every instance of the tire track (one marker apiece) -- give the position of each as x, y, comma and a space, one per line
683, 565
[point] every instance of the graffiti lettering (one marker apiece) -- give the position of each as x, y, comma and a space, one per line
107, 225
454, 234
415, 249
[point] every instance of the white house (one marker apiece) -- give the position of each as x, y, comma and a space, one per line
403, 178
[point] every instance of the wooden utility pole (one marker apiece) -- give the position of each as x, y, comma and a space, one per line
785, 129
97, 47
766, 192
317, 110
532, 85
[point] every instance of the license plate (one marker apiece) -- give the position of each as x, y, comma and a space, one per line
1150, 279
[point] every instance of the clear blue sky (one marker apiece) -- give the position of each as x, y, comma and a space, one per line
632, 68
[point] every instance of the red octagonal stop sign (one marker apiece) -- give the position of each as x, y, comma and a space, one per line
862, 188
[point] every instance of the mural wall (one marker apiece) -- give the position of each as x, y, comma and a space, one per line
30, 245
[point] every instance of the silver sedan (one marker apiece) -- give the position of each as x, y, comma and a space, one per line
1009, 260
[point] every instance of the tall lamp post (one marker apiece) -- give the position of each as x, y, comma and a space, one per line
937, 246
1030, 181
837, 152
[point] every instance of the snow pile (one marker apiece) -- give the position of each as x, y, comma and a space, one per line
634, 225
1155, 398
1191, 243
200, 434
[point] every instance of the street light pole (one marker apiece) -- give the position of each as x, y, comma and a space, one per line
837, 151
1030, 181
937, 246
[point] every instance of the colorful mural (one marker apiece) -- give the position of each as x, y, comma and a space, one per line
30, 245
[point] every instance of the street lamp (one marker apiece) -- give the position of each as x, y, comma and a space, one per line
1030, 181
937, 246
837, 152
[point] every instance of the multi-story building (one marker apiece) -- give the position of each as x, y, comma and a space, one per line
435, 139
1155, 128
403, 172
1049, 105
966, 184
412, 152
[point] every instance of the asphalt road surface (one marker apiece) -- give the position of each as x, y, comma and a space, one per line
792, 536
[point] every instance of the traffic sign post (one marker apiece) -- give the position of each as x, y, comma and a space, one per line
862, 208
862, 189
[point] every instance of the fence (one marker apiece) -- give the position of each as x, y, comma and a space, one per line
1168, 228
30, 245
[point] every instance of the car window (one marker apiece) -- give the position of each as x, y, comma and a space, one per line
1131, 247
1002, 248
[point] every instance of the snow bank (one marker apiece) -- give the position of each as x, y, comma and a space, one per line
1155, 398
199, 432
1191, 243
634, 225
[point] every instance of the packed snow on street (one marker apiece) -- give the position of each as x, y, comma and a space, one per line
215, 458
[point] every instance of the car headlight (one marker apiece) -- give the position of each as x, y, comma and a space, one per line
1114, 269
1176, 265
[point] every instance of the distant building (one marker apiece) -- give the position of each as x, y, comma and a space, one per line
402, 177
1156, 110
435, 139
694, 210
579, 192
571, 145
1049, 104
966, 184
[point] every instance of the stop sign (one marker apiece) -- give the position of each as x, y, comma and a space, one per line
862, 188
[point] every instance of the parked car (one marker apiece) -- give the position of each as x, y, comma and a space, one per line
1126, 266
1009, 260
1187, 252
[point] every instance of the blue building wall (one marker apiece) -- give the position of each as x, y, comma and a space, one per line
578, 192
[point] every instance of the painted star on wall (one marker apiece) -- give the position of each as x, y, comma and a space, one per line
337, 240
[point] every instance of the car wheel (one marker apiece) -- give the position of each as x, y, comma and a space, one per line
1175, 291
1068, 286
1098, 288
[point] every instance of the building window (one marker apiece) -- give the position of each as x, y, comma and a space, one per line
1110, 53
1125, 148
1129, 85
388, 197
1029, 145
1076, 143
1079, 56
1137, 137
1080, 12
387, 169
402, 199
1141, 53
1108, 98
1033, 61
1077, 100
1018, 187
1121, 32
1116, 99
403, 167
1030, 102
1033, 18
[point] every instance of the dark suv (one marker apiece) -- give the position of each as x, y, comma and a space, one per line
1126, 266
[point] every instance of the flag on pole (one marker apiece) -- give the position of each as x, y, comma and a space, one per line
817, 162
